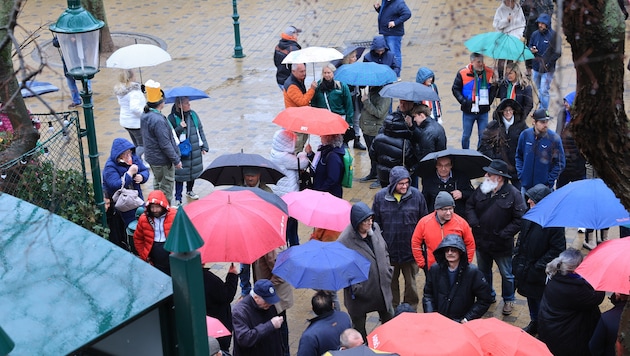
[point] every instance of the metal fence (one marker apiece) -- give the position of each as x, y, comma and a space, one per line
53, 175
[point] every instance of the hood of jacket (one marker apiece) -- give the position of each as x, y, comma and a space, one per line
379, 42
122, 90
359, 212
119, 146
397, 174
451, 240
518, 111
538, 192
158, 197
424, 73
570, 98
546, 19
284, 141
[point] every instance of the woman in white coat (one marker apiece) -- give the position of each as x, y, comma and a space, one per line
509, 19
282, 148
132, 102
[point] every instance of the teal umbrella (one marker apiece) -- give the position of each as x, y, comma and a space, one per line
499, 45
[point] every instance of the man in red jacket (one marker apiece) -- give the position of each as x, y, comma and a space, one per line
152, 231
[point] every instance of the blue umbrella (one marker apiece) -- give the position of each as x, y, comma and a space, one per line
365, 73
37, 88
499, 45
410, 91
321, 265
190, 92
587, 203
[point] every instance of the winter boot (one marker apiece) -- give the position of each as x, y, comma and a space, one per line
358, 145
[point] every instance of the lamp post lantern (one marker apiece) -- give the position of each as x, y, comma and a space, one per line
78, 34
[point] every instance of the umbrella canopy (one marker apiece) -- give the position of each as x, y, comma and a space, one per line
137, 55
227, 169
410, 91
310, 120
586, 203
466, 161
499, 45
190, 92
437, 334
360, 350
216, 327
365, 73
319, 209
266, 196
33, 88
236, 226
312, 55
502, 339
321, 265
606, 267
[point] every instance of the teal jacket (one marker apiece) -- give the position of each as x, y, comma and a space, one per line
339, 100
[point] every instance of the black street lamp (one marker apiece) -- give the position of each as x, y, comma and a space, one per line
78, 34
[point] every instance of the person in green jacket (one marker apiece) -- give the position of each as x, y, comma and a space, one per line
335, 96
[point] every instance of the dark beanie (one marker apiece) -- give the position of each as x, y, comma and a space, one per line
443, 199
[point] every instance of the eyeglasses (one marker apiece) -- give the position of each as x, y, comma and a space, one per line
508, 110
403, 184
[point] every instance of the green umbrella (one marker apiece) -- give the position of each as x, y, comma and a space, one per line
499, 45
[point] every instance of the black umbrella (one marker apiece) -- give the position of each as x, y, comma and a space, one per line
227, 169
466, 161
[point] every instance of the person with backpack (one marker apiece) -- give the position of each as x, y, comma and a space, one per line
329, 165
335, 96
188, 128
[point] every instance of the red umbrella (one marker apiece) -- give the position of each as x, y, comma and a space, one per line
319, 209
606, 269
311, 120
216, 328
236, 226
437, 335
500, 338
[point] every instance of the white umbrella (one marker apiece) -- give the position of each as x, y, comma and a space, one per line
312, 55
136, 56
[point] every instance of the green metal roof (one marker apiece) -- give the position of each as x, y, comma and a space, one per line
62, 286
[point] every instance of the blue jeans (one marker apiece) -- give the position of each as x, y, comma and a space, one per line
395, 43
543, 83
484, 263
74, 90
179, 188
468, 120
244, 276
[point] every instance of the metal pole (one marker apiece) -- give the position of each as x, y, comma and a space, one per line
238, 50
88, 113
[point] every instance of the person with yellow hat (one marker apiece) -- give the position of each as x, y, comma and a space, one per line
161, 149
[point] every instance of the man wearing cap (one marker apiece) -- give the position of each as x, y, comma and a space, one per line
257, 324
214, 347
288, 43
160, 146
432, 228
397, 208
374, 294
494, 212
539, 154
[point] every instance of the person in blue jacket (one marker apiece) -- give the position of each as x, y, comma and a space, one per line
381, 54
124, 165
392, 15
546, 53
329, 169
539, 154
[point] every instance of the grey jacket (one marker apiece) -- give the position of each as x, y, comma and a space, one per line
192, 166
160, 148
375, 293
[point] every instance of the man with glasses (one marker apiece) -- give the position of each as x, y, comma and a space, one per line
466, 287
447, 179
432, 228
397, 208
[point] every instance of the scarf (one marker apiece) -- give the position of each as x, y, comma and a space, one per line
511, 91
327, 85
480, 82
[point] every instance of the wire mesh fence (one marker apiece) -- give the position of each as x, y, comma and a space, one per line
53, 175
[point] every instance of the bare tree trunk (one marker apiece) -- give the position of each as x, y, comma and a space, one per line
596, 29
25, 136
96, 8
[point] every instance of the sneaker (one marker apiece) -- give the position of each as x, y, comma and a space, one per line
178, 203
375, 185
359, 146
507, 308
367, 178
192, 195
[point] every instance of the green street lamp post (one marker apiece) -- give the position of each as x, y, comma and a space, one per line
238, 49
78, 34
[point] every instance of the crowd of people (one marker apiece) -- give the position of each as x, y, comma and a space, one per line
432, 220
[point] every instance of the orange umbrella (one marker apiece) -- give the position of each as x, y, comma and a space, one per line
428, 334
310, 120
500, 338
603, 267
216, 328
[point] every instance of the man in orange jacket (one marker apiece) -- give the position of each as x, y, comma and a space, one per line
296, 95
152, 231
432, 228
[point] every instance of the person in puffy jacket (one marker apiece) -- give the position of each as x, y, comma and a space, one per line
455, 288
287, 44
132, 102
152, 231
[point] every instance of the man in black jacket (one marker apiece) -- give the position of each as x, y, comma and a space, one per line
288, 43
454, 288
450, 180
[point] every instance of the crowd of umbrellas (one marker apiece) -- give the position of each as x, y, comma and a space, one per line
242, 224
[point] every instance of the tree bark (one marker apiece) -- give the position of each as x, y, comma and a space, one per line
595, 29
96, 8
